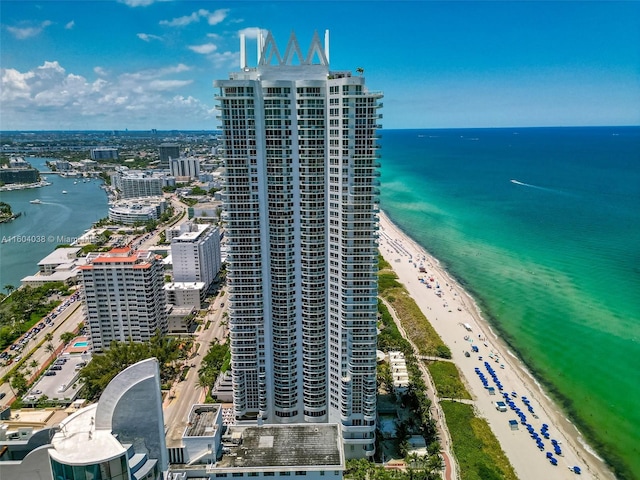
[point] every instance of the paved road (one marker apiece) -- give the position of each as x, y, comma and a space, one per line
66, 321
188, 392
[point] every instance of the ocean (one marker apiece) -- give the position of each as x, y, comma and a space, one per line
59, 219
542, 227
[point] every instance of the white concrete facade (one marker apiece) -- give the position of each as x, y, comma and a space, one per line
123, 297
135, 210
184, 167
195, 254
301, 200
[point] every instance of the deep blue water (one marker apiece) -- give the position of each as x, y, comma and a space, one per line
542, 226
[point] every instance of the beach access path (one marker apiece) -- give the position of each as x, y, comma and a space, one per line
456, 318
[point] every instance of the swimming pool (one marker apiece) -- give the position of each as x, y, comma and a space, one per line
81, 344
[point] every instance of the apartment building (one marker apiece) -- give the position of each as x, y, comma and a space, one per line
123, 296
301, 203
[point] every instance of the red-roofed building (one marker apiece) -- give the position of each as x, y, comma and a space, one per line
123, 296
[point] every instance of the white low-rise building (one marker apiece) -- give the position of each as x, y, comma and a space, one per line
134, 210
61, 265
185, 294
306, 451
399, 373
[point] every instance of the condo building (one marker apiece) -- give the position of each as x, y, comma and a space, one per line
123, 296
195, 254
167, 151
184, 167
301, 203
136, 184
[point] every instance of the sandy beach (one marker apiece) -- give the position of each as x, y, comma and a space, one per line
457, 319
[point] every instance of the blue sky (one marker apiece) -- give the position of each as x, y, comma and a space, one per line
143, 64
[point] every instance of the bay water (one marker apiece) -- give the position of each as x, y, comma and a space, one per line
59, 219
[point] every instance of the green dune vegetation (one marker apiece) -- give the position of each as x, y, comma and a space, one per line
415, 324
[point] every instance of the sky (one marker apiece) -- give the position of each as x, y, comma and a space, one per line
144, 64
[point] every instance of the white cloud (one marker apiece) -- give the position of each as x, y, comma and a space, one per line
204, 49
224, 59
49, 97
182, 21
218, 16
213, 18
22, 33
147, 37
70, 25
168, 84
140, 3
250, 32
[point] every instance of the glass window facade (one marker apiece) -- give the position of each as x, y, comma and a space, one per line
115, 469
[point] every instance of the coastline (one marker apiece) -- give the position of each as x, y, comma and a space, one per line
24, 186
448, 313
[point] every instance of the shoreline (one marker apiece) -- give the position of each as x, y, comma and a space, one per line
448, 312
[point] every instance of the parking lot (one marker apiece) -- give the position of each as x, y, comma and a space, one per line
59, 380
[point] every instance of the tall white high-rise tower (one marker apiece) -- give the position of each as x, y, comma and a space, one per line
301, 204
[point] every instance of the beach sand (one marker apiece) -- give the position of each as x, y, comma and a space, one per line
448, 313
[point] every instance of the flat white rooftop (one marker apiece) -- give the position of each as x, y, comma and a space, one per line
60, 256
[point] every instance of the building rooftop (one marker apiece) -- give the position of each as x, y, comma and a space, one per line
60, 256
79, 442
184, 286
202, 421
277, 446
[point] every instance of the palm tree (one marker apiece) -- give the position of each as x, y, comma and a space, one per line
33, 364
9, 288
66, 337
48, 337
360, 71
50, 348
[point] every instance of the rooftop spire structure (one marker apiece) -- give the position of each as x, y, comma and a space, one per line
301, 209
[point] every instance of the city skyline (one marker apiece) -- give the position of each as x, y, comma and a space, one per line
144, 64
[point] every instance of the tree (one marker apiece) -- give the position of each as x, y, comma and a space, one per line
360, 71
48, 337
50, 348
9, 288
19, 383
67, 337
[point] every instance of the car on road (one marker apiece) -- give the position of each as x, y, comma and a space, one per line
2, 395
49, 373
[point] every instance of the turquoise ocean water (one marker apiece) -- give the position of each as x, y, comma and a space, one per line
59, 219
542, 227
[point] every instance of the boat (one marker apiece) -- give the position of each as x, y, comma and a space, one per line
64, 191
75, 183
37, 201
